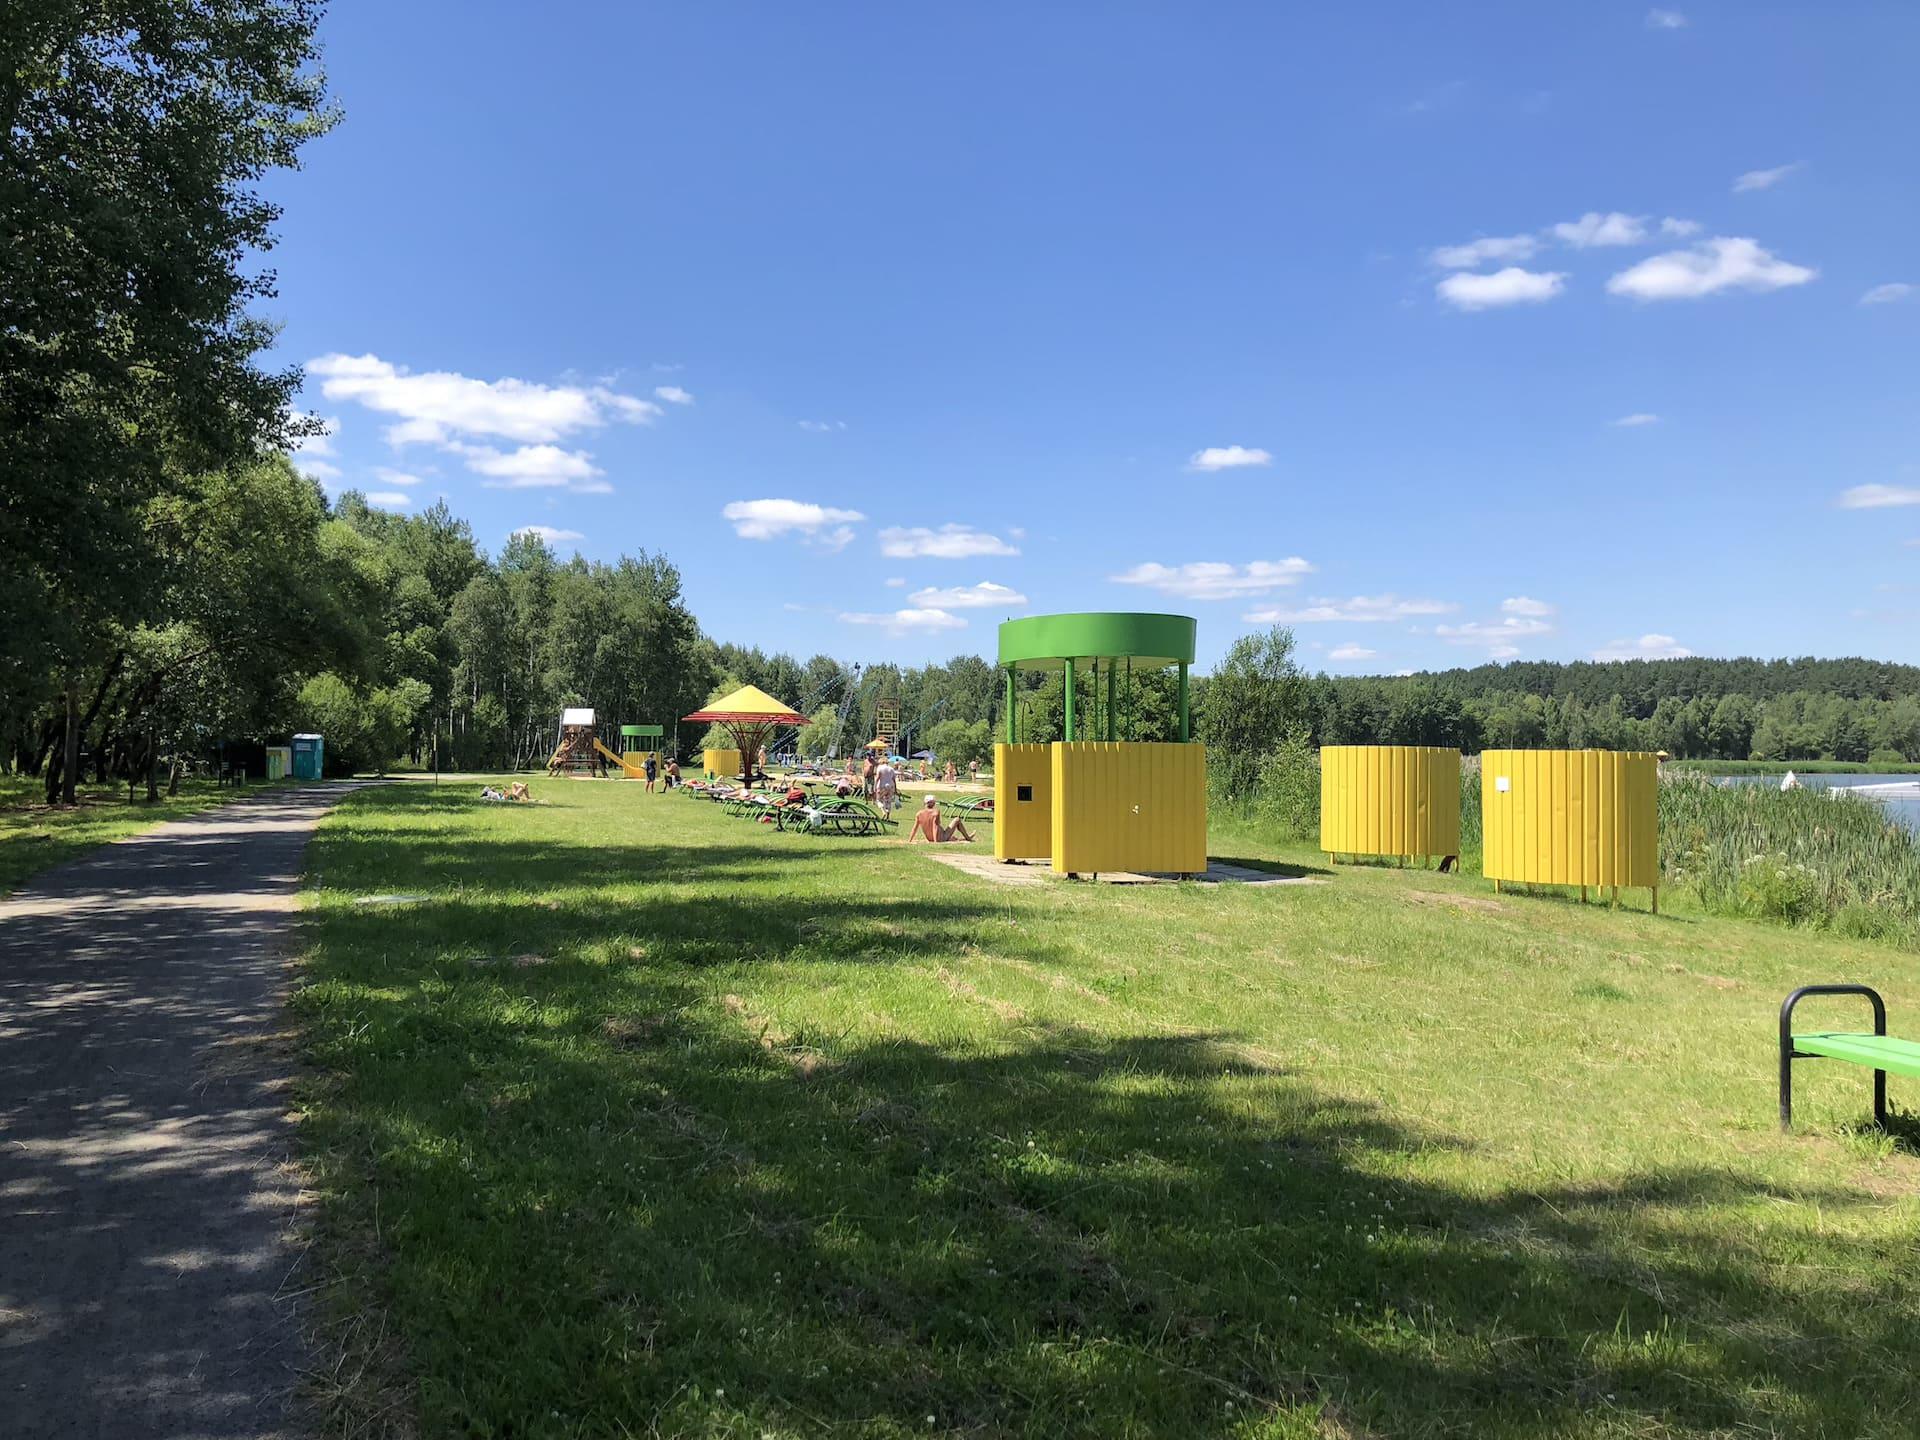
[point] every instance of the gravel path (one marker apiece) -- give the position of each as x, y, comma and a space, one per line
147, 1258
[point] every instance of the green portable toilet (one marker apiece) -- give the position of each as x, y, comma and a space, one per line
309, 754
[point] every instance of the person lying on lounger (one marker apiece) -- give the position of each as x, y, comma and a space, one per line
927, 826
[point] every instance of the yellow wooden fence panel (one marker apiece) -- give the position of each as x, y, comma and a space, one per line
1389, 800
721, 764
1129, 806
1571, 817
1022, 802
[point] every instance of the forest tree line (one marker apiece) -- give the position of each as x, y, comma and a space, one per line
402, 640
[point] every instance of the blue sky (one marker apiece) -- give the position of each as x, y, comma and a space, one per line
1442, 333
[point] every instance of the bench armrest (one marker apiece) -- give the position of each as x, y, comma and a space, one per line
1786, 1008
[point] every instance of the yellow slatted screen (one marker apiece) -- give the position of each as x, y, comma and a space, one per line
1122, 806
1571, 817
1389, 800
721, 764
1022, 802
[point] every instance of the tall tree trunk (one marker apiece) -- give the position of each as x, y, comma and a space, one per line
153, 765
70, 755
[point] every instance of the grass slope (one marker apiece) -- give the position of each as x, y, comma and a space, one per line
35, 836
652, 1122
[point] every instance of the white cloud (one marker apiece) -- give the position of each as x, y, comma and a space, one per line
901, 622
322, 470
821, 427
1879, 497
949, 542
1647, 647
1593, 229
439, 405
1497, 638
390, 476
1888, 293
548, 533
1680, 229
1351, 652
1525, 605
770, 519
1227, 457
1636, 420
1355, 608
388, 499
1511, 286
1666, 20
1487, 250
1763, 179
1216, 580
672, 394
531, 467
897, 582
967, 597
1721, 263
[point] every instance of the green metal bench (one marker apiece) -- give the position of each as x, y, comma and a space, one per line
1879, 1052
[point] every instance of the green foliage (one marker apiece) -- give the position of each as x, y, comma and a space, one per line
1288, 788
1806, 857
1251, 703
960, 741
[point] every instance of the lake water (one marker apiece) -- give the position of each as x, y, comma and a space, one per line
1900, 794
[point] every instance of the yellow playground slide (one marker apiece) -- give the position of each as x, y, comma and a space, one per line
634, 772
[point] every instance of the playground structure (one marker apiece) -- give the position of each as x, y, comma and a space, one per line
1571, 817
1397, 800
579, 750
1098, 803
750, 716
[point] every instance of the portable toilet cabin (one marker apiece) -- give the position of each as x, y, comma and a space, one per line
309, 756
279, 762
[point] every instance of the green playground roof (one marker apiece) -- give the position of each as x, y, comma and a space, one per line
1150, 642
635, 732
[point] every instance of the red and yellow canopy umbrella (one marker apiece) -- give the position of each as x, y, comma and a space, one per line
749, 715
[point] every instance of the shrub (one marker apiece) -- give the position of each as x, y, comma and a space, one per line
1773, 887
1287, 791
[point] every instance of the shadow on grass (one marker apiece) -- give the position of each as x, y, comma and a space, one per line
1271, 867
673, 1217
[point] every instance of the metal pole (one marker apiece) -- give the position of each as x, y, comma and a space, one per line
1068, 683
1013, 699
1110, 730
1186, 727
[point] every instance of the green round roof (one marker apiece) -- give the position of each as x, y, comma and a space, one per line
1041, 642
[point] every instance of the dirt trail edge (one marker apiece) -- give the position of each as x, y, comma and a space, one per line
148, 1256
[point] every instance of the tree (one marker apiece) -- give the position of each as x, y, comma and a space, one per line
134, 135
1253, 699
960, 741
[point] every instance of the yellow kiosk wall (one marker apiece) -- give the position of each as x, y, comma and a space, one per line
1121, 805
1389, 800
721, 764
1022, 829
1571, 817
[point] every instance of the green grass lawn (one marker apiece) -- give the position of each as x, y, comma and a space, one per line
34, 835
647, 1121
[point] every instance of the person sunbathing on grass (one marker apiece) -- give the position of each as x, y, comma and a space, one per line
519, 791
927, 826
